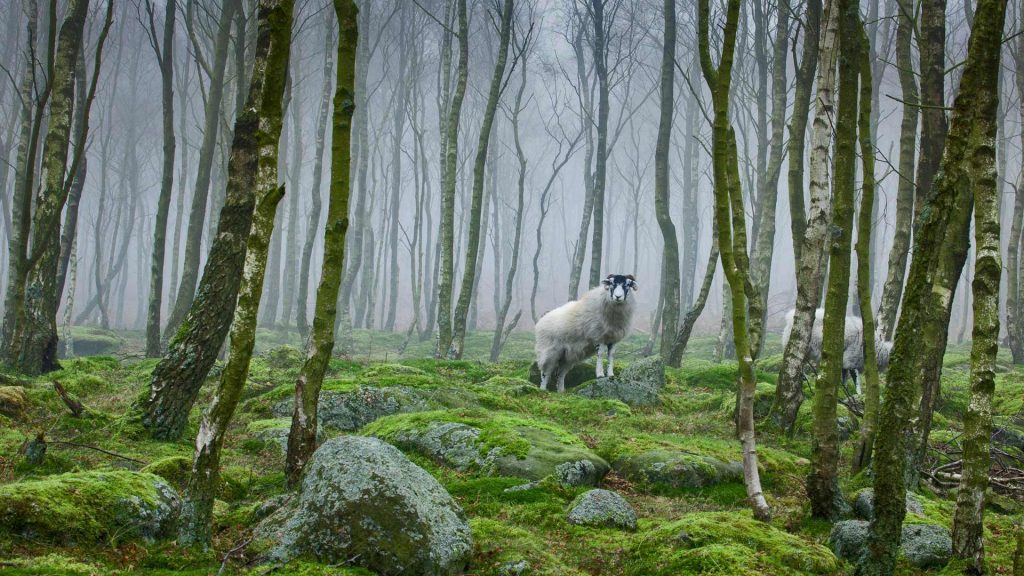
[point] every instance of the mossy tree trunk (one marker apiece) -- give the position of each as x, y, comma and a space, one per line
32, 347
940, 247
968, 527
682, 338
905, 190
862, 453
302, 436
178, 377
662, 193
1014, 269
165, 62
823, 483
274, 23
732, 234
470, 271
448, 184
810, 265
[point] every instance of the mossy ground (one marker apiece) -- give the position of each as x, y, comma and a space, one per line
707, 530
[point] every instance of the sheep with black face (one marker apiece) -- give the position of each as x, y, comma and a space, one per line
577, 330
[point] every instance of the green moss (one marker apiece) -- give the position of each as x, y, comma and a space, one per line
50, 565
174, 469
268, 424
496, 545
80, 507
504, 431
726, 543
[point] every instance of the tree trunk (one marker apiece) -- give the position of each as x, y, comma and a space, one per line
865, 239
301, 309
197, 213
272, 46
686, 329
397, 132
809, 274
732, 232
179, 375
823, 483
600, 46
662, 194
905, 194
968, 527
302, 437
1014, 268
165, 61
940, 245
448, 184
33, 345
479, 165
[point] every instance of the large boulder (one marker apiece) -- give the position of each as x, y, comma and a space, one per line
602, 508
88, 507
864, 504
577, 375
351, 410
363, 502
923, 545
494, 443
637, 385
667, 470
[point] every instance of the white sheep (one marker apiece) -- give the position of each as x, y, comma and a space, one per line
576, 330
853, 345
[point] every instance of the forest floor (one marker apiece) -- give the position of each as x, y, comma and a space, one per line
704, 527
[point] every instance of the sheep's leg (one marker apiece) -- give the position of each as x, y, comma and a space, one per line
561, 380
543, 380
600, 365
856, 381
611, 360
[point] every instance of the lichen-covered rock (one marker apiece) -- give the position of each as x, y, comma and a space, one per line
926, 545
923, 545
578, 473
350, 411
577, 375
363, 502
88, 507
864, 504
493, 443
638, 385
602, 508
13, 401
514, 568
667, 470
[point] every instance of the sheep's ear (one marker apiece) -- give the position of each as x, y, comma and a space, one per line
607, 282
634, 285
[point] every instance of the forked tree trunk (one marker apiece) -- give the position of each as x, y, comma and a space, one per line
178, 377
273, 42
302, 436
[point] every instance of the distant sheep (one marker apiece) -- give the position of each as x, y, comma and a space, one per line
576, 330
853, 345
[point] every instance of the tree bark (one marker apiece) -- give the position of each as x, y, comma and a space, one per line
274, 23
940, 245
600, 46
662, 194
165, 62
179, 375
732, 232
473, 248
809, 275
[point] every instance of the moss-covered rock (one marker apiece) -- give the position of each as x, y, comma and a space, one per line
726, 544
637, 385
922, 545
577, 375
13, 401
602, 508
363, 502
92, 341
349, 411
864, 504
87, 507
492, 443
502, 549
662, 471
175, 470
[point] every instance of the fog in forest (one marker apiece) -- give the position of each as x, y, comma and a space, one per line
549, 88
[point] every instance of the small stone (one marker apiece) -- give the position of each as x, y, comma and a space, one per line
522, 487
602, 508
638, 385
578, 473
13, 401
515, 568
